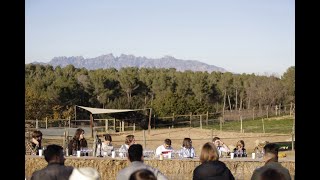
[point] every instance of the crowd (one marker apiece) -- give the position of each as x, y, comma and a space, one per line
210, 168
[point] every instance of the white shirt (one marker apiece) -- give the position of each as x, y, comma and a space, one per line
188, 153
162, 149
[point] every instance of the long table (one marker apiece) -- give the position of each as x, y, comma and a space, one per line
175, 169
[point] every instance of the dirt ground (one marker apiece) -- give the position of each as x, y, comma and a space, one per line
198, 136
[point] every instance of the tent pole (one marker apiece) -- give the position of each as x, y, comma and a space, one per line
91, 124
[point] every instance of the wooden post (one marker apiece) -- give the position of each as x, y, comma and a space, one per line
267, 111
263, 126
154, 121
64, 139
220, 124
134, 127
190, 118
276, 110
207, 118
46, 122
279, 108
144, 139
106, 123
211, 135
122, 125
200, 121
241, 129
149, 124
69, 121
172, 120
290, 108
114, 125
91, 124
253, 113
37, 125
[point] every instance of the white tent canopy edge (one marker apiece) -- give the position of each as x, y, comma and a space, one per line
106, 111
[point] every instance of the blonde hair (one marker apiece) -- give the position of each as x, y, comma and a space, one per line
209, 152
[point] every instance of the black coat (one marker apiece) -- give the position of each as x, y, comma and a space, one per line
212, 170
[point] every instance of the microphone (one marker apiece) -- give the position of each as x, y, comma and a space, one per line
98, 139
99, 142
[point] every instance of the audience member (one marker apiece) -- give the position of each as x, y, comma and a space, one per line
84, 173
211, 167
271, 162
55, 168
187, 149
272, 174
135, 157
164, 148
77, 142
33, 146
143, 174
127, 143
221, 146
105, 147
239, 150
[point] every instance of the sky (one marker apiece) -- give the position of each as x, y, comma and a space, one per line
241, 36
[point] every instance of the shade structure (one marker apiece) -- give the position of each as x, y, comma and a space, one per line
106, 111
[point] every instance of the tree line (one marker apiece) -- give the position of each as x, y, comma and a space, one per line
52, 92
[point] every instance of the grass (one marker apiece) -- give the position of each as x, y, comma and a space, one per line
272, 125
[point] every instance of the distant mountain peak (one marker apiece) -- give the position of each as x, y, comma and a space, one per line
110, 61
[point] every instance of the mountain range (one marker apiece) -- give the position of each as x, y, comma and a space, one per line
110, 61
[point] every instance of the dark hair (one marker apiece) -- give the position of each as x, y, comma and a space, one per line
142, 174
107, 137
187, 143
36, 134
240, 142
135, 152
272, 174
129, 139
167, 142
271, 148
215, 138
77, 133
52, 151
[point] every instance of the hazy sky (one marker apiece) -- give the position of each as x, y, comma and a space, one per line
242, 36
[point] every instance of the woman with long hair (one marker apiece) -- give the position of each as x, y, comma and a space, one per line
77, 142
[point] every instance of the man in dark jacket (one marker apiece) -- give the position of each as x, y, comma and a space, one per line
271, 158
55, 168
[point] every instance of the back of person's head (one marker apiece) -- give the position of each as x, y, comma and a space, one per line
52, 152
187, 143
107, 137
209, 152
135, 152
84, 173
167, 142
272, 174
36, 134
271, 150
215, 138
78, 132
142, 174
129, 139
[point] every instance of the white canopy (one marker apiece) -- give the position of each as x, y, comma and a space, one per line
106, 111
